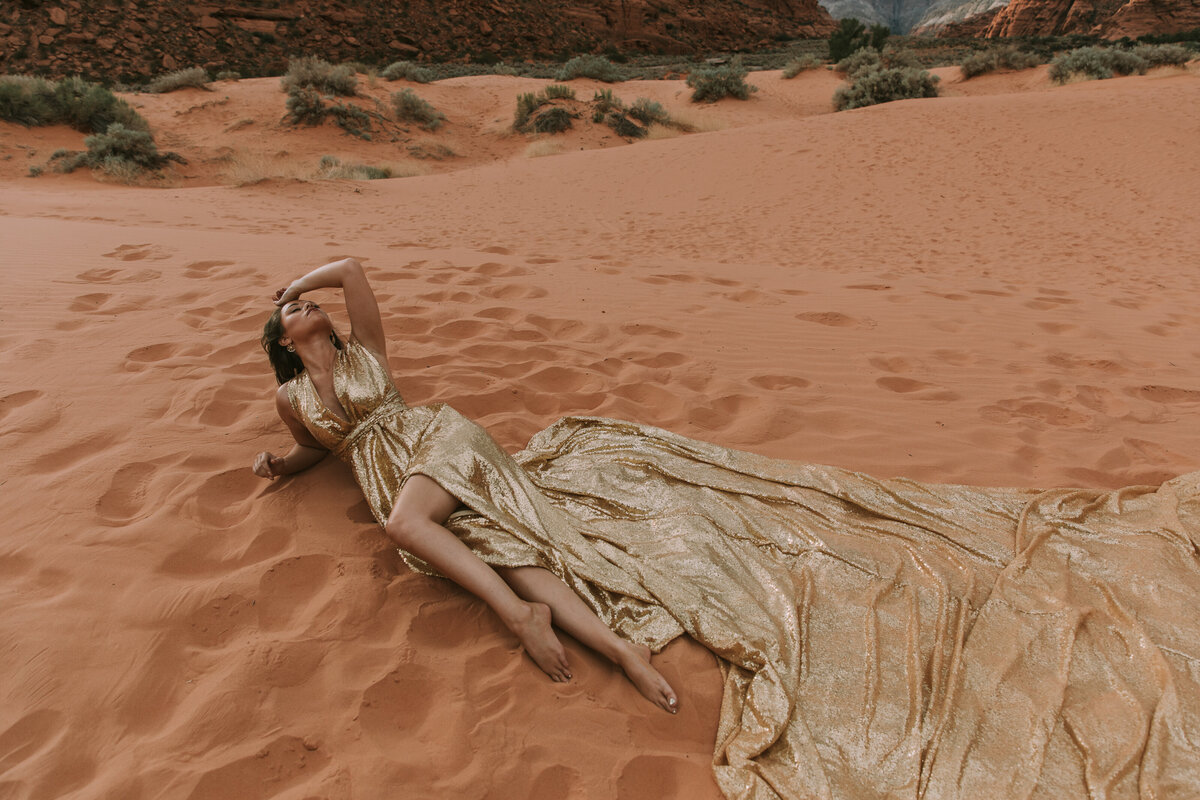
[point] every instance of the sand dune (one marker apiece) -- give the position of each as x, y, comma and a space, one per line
993, 287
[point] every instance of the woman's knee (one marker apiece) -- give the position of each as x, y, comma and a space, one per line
404, 529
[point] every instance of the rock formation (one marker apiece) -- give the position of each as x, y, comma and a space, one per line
1109, 19
128, 39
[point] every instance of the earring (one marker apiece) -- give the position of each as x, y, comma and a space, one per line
291, 348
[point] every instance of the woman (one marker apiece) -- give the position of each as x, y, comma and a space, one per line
305, 351
877, 638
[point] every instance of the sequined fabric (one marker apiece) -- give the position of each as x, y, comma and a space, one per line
877, 638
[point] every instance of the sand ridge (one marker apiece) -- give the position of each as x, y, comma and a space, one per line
991, 288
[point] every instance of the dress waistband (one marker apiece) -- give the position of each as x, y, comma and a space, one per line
388, 408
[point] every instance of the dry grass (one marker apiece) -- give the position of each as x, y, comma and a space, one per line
662, 132
248, 168
544, 147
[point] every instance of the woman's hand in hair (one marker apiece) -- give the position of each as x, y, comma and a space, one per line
286, 295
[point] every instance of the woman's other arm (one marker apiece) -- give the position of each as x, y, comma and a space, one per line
348, 275
306, 452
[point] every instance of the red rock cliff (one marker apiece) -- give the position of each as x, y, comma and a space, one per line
128, 38
1110, 19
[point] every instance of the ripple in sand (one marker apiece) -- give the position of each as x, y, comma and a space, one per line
266, 772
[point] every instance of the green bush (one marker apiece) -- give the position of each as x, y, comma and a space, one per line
1010, 57
408, 71
852, 35
331, 167
305, 106
86, 107
871, 86
527, 104
590, 66
195, 77
647, 112
118, 151
859, 61
1163, 55
605, 101
554, 120
710, 84
411, 108
556, 91
802, 64
1095, 63
622, 125
310, 71
228, 75
351, 119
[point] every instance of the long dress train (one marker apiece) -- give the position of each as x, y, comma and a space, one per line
878, 638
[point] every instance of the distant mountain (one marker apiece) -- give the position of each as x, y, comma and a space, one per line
1110, 19
901, 16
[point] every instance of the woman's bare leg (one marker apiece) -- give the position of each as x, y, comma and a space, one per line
416, 525
573, 616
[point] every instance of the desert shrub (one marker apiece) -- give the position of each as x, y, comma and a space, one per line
622, 125
411, 108
871, 86
647, 111
802, 64
1095, 63
859, 61
408, 71
604, 102
310, 71
195, 77
86, 107
899, 58
852, 35
331, 167
305, 106
527, 104
557, 91
554, 120
351, 119
1010, 57
119, 151
710, 84
590, 66
1163, 55
228, 75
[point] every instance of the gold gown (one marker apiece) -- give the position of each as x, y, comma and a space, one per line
877, 638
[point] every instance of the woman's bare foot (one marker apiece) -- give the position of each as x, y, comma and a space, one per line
540, 643
653, 686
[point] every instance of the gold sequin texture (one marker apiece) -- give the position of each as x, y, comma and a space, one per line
878, 638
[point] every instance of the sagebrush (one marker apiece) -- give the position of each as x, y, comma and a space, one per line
86, 107
310, 71
712, 83
409, 107
591, 66
195, 78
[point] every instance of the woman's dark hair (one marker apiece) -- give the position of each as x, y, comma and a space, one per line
286, 364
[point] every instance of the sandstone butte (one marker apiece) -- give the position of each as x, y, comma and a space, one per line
120, 39
1109, 19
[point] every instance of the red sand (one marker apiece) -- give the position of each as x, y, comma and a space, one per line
993, 287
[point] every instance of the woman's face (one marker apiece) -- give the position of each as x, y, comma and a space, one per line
303, 319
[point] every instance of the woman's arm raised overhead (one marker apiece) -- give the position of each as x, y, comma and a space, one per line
348, 275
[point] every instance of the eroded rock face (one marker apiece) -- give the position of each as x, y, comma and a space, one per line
1110, 19
115, 39
901, 16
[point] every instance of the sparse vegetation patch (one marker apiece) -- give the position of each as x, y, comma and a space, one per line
86, 107
120, 152
710, 84
797, 65
1096, 63
411, 108
406, 70
871, 81
310, 71
591, 66
195, 78
1009, 57
332, 168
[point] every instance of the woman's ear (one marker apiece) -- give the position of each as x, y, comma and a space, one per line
284, 341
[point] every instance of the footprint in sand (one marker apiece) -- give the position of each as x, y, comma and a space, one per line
870, 287
138, 252
900, 385
293, 590
514, 292
779, 382
640, 329
1025, 408
834, 319
1168, 395
208, 269
264, 772
111, 276
214, 623
125, 497
494, 269
211, 554
225, 499
652, 776
397, 707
